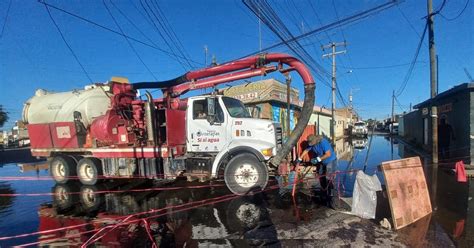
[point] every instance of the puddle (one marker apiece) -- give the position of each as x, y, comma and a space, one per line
194, 214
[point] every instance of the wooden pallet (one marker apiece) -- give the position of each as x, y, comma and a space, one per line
407, 190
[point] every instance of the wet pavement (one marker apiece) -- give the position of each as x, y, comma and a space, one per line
198, 214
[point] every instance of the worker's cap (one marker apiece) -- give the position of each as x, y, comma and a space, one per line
314, 139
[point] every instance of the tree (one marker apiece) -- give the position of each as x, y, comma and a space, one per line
3, 116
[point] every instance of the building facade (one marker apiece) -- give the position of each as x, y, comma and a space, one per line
455, 123
267, 99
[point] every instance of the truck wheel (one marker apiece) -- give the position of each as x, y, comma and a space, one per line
243, 215
62, 168
64, 195
89, 170
244, 173
90, 197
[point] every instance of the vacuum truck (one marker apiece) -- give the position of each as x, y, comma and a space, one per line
108, 131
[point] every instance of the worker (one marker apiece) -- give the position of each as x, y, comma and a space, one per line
202, 115
323, 151
326, 157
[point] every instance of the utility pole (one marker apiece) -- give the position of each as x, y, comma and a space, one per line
350, 99
288, 106
205, 55
333, 54
433, 83
351, 106
393, 109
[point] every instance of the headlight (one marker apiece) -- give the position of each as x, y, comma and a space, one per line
267, 152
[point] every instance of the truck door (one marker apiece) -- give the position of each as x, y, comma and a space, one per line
204, 134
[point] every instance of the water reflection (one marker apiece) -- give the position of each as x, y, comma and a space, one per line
7, 201
211, 215
172, 218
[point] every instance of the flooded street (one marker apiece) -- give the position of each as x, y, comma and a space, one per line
194, 214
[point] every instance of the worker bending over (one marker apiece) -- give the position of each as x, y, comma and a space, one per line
323, 151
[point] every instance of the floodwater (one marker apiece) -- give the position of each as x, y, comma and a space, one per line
123, 214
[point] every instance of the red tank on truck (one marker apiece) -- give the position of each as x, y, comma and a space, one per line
107, 131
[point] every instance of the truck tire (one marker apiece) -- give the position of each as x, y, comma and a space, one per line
90, 199
89, 170
243, 214
245, 173
65, 196
62, 168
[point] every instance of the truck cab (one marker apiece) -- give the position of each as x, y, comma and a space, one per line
220, 129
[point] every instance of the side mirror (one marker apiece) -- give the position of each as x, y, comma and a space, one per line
211, 106
211, 110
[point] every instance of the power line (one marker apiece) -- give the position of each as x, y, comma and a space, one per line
268, 16
344, 37
169, 54
412, 64
6, 17
380, 67
350, 19
132, 23
67, 44
154, 9
170, 28
147, 10
399, 104
408, 21
128, 42
458, 15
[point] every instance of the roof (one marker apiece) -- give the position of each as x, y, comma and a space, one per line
262, 91
444, 94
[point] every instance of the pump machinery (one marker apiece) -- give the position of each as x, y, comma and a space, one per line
106, 131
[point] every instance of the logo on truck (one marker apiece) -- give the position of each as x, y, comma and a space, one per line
63, 132
209, 136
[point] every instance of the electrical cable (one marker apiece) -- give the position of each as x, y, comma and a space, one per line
6, 18
347, 20
408, 21
412, 65
132, 23
169, 54
67, 44
268, 16
128, 42
458, 15
379, 67
399, 104
148, 11
168, 31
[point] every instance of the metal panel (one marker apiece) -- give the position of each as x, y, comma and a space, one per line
63, 135
40, 136
175, 127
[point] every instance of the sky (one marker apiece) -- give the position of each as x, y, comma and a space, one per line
379, 48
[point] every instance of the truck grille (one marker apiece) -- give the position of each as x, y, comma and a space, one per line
278, 136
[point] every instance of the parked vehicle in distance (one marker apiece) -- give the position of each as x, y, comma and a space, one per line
359, 129
359, 143
393, 128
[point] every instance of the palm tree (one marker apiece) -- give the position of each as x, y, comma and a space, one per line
3, 116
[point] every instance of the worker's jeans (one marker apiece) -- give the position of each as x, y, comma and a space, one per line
328, 168
325, 181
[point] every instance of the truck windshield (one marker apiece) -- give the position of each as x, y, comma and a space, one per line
235, 108
360, 124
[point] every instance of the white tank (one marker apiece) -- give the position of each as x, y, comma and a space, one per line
48, 107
